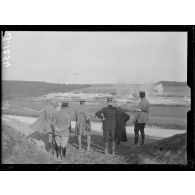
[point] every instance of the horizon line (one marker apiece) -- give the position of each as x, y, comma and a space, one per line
125, 83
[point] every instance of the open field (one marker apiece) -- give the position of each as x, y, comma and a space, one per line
162, 116
18, 143
20, 89
168, 108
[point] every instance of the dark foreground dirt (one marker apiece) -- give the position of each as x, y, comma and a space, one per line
18, 148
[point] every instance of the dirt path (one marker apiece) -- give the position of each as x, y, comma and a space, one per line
150, 131
127, 153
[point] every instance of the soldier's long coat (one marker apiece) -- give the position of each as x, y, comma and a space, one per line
121, 119
82, 116
43, 123
109, 113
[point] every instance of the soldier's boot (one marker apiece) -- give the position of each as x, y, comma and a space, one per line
64, 152
116, 149
61, 152
80, 142
143, 138
53, 148
58, 151
106, 148
136, 139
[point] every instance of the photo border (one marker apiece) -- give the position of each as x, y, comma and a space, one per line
190, 29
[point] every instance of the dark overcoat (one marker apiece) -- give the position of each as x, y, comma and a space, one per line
109, 113
121, 119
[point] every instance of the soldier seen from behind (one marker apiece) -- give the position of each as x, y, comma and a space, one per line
62, 128
108, 115
43, 123
83, 126
141, 118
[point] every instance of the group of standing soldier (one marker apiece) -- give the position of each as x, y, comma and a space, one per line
55, 122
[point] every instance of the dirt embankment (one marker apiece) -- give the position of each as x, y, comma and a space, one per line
18, 148
172, 150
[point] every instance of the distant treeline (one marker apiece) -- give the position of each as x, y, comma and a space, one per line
20, 89
173, 83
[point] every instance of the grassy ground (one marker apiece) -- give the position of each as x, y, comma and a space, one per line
20, 89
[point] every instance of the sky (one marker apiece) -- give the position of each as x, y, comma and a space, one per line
97, 57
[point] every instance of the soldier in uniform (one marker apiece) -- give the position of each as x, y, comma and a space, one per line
141, 118
62, 127
82, 124
108, 115
43, 123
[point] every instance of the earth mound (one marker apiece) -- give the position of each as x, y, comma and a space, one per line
172, 150
17, 148
18, 125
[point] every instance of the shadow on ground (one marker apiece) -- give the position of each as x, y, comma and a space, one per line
127, 153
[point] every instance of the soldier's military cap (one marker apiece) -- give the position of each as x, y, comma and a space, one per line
109, 99
142, 94
65, 103
82, 100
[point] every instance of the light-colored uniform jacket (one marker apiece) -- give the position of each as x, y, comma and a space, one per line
81, 115
62, 122
43, 123
142, 112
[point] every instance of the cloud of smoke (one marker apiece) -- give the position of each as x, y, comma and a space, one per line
122, 87
126, 89
159, 88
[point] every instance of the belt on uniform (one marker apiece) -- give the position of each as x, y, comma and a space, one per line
145, 111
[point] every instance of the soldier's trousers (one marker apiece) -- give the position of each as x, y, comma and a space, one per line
139, 127
61, 141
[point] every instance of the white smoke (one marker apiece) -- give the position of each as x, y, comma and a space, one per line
159, 89
148, 88
121, 88
126, 91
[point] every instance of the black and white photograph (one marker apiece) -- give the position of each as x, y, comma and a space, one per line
95, 97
